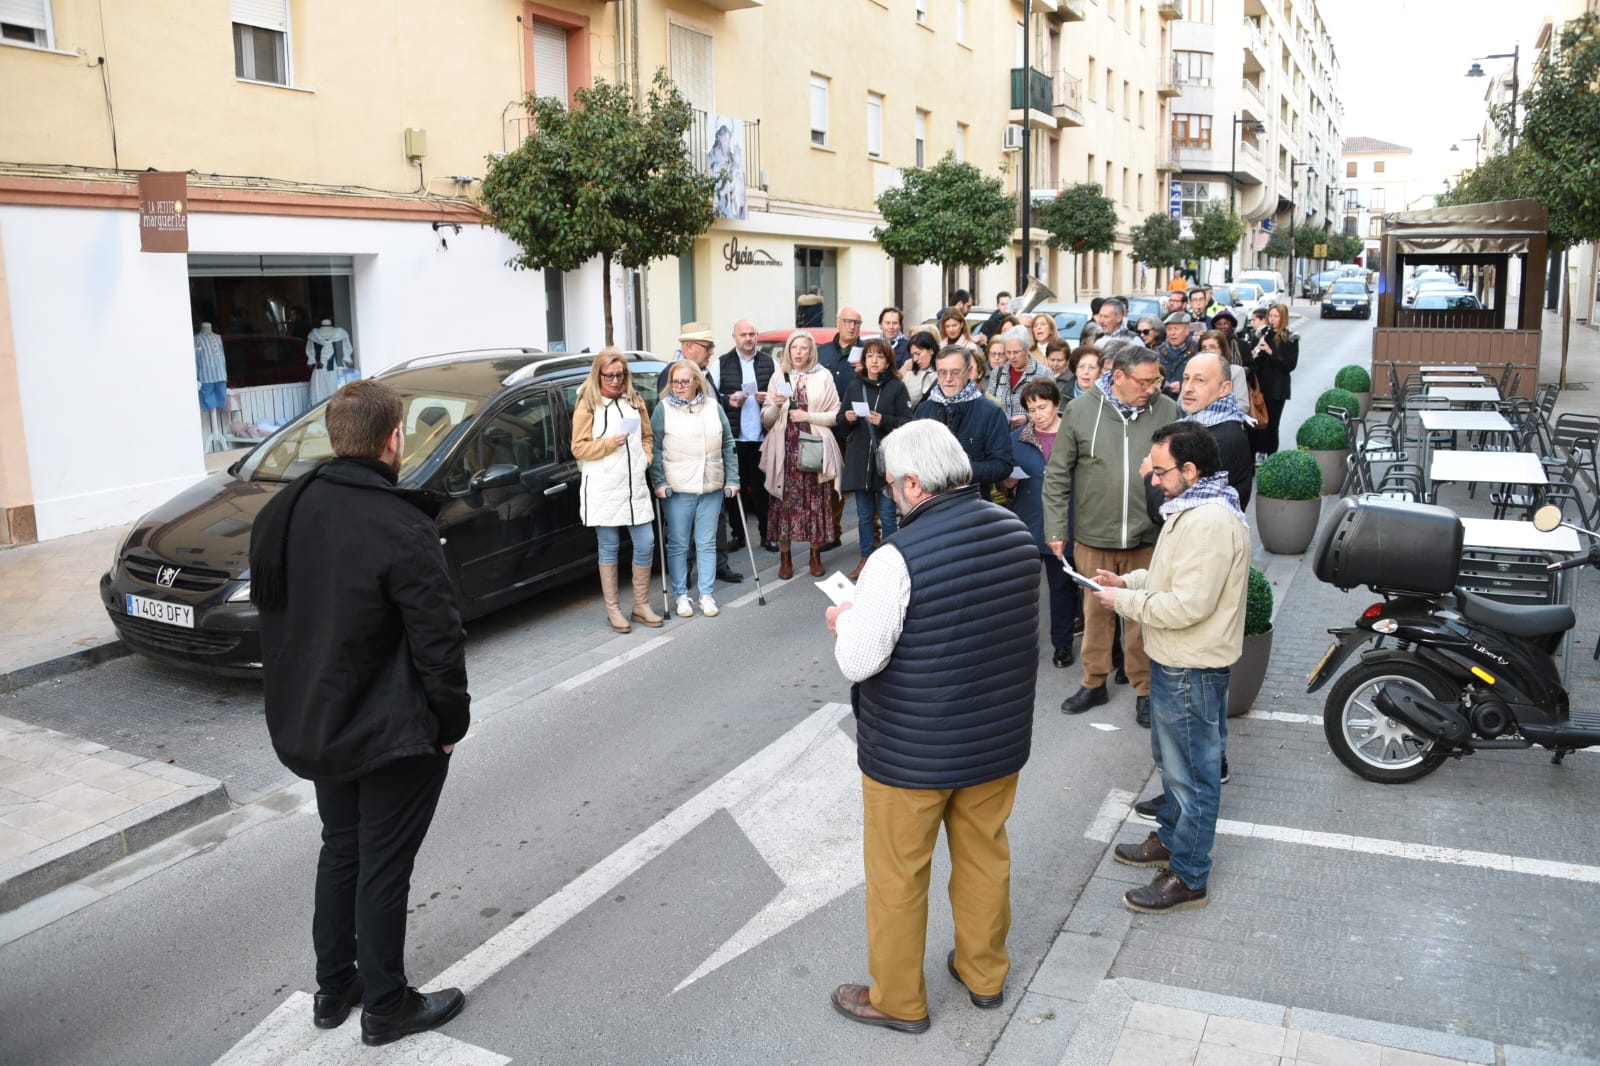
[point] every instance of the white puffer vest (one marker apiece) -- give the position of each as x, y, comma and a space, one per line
616, 489
691, 459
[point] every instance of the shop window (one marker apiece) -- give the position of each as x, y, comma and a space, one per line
261, 40
816, 283
27, 22
1196, 198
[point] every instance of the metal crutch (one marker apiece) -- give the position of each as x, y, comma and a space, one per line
749, 547
661, 551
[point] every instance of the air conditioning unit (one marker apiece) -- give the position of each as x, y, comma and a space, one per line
1014, 136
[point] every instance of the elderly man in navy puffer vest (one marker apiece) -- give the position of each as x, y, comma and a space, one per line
943, 722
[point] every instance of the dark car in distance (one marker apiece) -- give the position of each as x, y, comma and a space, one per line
488, 438
1347, 296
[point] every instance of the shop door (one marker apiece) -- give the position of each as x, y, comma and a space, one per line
510, 536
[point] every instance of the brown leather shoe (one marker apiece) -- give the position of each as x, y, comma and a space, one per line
855, 1003
981, 1002
1151, 853
857, 571
785, 561
816, 561
1166, 893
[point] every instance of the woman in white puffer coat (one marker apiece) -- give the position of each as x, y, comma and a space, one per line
694, 469
611, 439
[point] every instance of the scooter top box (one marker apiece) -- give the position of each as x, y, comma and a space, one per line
1391, 545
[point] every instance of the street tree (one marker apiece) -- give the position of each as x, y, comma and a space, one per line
951, 214
1305, 242
1158, 242
1345, 247
1080, 219
1215, 233
609, 178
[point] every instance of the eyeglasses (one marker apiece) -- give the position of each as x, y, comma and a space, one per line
1147, 331
952, 374
851, 321
621, 375
1162, 471
1146, 383
682, 382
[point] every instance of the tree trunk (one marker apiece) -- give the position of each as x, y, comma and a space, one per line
1074, 277
605, 287
1566, 325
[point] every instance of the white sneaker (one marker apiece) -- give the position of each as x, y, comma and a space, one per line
684, 609
708, 607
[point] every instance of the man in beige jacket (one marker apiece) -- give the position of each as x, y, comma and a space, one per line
1191, 604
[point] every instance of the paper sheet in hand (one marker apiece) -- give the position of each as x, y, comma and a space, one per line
860, 408
784, 388
855, 354
1087, 582
837, 587
630, 424
1018, 473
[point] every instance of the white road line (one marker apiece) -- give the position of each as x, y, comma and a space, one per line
579, 680
755, 594
1284, 716
286, 1038
1114, 810
1397, 849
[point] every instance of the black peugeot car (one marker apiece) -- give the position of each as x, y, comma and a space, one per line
488, 433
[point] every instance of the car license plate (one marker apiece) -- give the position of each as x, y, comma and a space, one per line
172, 614
1317, 669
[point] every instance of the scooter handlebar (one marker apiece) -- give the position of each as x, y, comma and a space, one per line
1588, 558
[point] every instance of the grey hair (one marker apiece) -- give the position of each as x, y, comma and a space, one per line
1018, 334
953, 349
930, 451
1150, 322
1117, 304
1125, 355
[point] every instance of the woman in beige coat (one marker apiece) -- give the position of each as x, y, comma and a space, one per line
800, 398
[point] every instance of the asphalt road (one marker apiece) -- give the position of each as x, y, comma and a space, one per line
659, 861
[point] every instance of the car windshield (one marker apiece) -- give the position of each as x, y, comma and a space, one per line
303, 444
1248, 292
1222, 294
1265, 284
1353, 288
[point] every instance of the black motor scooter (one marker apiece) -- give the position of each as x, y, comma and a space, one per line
1443, 672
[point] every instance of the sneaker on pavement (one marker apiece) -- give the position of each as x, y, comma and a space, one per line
685, 608
1150, 809
708, 606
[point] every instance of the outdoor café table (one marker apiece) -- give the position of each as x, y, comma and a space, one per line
1481, 394
1509, 535
1453, 369
1463, 422
1495, 468
1452, 379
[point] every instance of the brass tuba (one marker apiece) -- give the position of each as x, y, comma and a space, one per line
1035, 294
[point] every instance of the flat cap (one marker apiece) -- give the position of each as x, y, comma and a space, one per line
1177, 318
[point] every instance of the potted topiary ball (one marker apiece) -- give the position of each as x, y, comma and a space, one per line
1347, 401
1355, 379
1246, 676
1288, 501
1325, 437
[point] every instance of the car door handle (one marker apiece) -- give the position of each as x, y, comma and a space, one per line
553, 489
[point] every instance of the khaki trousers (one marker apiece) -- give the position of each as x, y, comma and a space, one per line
901, 827
1100, 625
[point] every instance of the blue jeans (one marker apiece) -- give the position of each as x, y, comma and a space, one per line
1187, 710
692, 513
644, 542
866, 503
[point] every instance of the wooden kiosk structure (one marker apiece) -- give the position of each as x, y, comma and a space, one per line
1493, 239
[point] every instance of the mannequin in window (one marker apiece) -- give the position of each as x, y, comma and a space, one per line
210, 369
328, 348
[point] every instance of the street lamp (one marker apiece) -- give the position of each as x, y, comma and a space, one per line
1476, 71
1233, 166
1477, 142
1293, 184
1027, 139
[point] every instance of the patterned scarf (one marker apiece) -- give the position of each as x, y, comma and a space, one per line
1222, 409
966, 395
1208, 490
1127, 411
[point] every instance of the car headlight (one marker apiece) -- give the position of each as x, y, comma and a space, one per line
240, 594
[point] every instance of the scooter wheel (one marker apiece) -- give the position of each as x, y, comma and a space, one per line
1369, 742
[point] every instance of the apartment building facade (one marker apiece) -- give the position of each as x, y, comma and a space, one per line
1256, 118
1375, 179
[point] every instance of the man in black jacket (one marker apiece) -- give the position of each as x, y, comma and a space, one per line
742, 389
365, 680
944, 722
977, 422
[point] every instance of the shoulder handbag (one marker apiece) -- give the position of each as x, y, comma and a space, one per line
810, 457
1258, 402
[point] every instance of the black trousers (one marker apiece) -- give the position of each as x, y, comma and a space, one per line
371, 830
1265, 439
752, 483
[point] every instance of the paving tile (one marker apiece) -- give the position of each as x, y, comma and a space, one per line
148, 789
102, 773
36, 783
1139, 1048
1173, 1021
1217, 1055
15, 843
1320, 1049
88, 800
1246, 1036
48, 822
1398, 1057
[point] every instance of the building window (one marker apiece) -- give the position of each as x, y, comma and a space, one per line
961, 21
961, 142
1091, 81
1198, 11
1111, 81
1377, 166
1350, 226
874, 125
819, 111
1141, 26
1352, 200
1106, 186
1350, 170
922, 12
27, 22
1193, 67
1376, 199
1141, 192
1196, 197
690, 59
1375, 227
816, 273
261, 40
1127, 100
1127, 190
1141, 109
1191, 131
922, 139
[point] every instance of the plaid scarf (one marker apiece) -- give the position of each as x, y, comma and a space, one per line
969, 393
1222, 409
1208, 490
1127, 411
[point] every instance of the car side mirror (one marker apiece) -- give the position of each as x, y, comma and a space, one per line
497, 476
1547, 518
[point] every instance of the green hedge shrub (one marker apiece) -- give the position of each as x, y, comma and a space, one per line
1289, 476
1353, 378
1322, 433
1339, 398
1258, 604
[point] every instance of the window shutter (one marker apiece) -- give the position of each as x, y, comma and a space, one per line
819, 105
690, 62
549, 61
30, 13
265, 14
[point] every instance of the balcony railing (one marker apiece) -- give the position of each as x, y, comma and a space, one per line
1169, 79
1069, 99
1035, 89
1167, 156
700, 138
1255, 42
1169, 9
1252, 90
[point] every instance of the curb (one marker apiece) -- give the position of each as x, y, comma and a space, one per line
81, 854
25, 676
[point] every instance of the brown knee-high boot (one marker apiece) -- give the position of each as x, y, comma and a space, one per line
641, 598
608, 588
816, 559
785, 561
